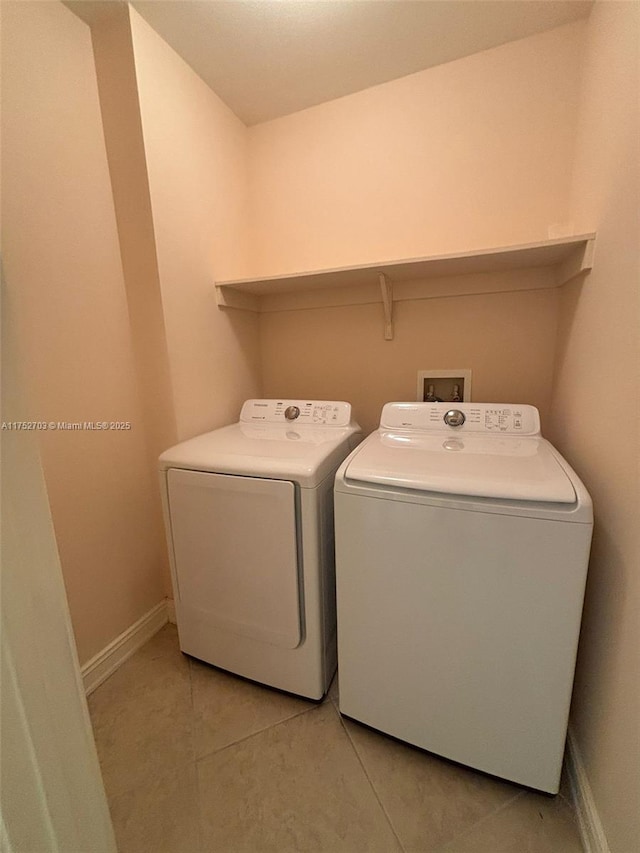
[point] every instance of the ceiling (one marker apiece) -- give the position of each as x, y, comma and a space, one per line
269, 58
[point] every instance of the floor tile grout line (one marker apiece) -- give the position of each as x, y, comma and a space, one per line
507, 804
256, 733
313, 706
456, 837
368, 778
470, 829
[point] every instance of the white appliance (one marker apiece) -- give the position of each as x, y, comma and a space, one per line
462, 541
249, 518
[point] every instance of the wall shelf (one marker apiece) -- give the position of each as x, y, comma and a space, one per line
486, 271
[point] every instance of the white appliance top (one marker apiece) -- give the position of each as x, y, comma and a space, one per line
482, 449
303, 447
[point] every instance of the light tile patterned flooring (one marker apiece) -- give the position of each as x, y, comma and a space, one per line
198, 761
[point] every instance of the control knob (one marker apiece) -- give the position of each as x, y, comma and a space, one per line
454, 418
291, 413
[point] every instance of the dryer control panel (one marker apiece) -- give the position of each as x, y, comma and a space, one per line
299, 412
485, 418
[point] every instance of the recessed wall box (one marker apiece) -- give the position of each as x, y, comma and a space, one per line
444, 386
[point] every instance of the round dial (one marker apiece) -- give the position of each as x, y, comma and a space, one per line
291, 413
454, 418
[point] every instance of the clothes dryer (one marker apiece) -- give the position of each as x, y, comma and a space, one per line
249, 517
462, 542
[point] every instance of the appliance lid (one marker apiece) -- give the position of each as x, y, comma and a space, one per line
521, 468
305, 455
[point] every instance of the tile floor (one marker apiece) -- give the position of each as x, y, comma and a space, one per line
197, 761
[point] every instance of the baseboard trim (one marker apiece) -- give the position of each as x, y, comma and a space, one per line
589, 823
105, 663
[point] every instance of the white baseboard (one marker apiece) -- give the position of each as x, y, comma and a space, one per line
105, 663
589, 823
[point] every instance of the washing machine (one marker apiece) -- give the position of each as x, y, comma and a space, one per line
462, 541
249, 517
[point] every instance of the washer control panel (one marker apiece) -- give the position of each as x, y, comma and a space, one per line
313, 412
292, 412
486, 418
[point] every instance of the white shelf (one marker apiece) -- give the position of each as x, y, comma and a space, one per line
417, 278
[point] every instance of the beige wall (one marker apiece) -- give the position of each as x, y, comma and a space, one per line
596, 415
65, 284
120, 110
196, 152
507, 339
475, 153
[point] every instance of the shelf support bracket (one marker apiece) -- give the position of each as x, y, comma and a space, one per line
387, 304
229, 297
580, 261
